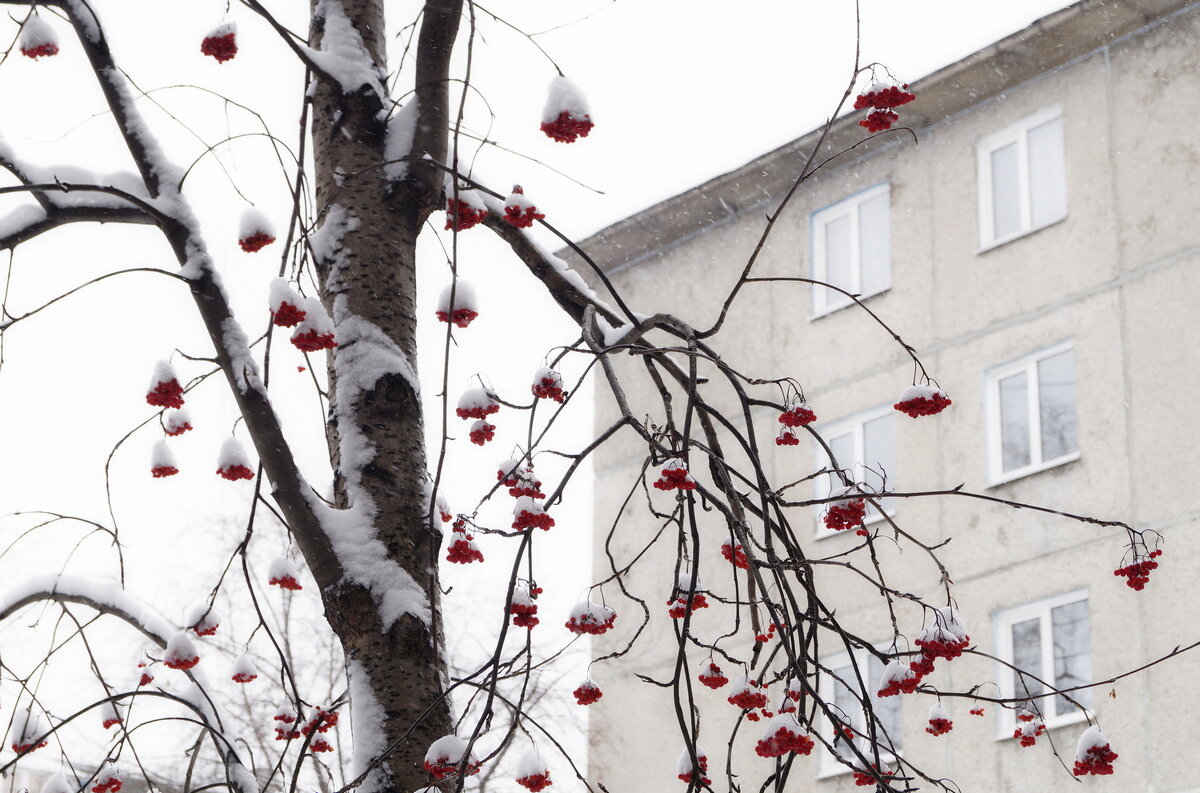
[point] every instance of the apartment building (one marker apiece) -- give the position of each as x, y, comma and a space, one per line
1039, 248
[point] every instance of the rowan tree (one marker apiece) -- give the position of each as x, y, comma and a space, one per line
376, 163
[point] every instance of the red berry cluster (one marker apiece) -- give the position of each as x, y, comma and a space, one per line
320, 745
321, 722
1097, 761
531, 519
749, 697
166, 395
898, 680
674, 476
976, 711
550, 386
1137, 575
587, 693
939, 726
884, 98
864, 778
256, 241
524, 614
679, 608
462, 549
235, 472
782, 742
111, 721
313, 341
221, 48
42, 50
1028, 735
735, 554
177, 428
879, 120
288, 731
462, 317
478, 411
845, 514
27, 747
519, 211
286, 582
107, 782
244, 677
535, 782
180, 662
287, 315
461, 216
941, 648
567, 128
686, 776
163, 470
146, 677
786, 438
924, 406
442, 767
843, 732
712, 677
588, 623
797, 415
482, 432
524, 483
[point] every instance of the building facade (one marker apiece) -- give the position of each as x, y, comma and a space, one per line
1039, 249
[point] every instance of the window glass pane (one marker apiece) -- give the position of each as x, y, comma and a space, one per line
879, 447
875, 242
1056, 397
848, 706
1006, 198
837, 258
1014, 422
1027, 656
844, 453
1072, 653
1047, 173
887, 710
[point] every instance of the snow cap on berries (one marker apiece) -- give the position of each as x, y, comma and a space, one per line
29, 727
477, 403
946, 637
221, 43
747, 694
529, 513
443, 508
466, 304
107, 780
591, 618
162, 462
444, 756
255, 231
684, 767
674, 475
922, 400
165, 390
548, 384
481, 432
282, 573
57, 783
110, 714
203, 620
1093, 754
177, 422
37, 38
783, 734
519, 211
939, 720
565, 117
232, 462
244, 670
897, 678
315, 332
465, 210
285, 304
507, 473
532, 771
181, 652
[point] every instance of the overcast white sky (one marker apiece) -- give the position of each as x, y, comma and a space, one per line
679, 91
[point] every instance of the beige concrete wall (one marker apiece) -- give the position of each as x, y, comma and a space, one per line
1118, 276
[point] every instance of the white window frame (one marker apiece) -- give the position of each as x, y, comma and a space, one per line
996, 475
825, 300
851, 424
1003, 623
829, 765
1016, 133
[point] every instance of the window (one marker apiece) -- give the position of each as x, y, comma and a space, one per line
1031, 414
1022, 178
842, 690
1049, 640
852, 248
865, 447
